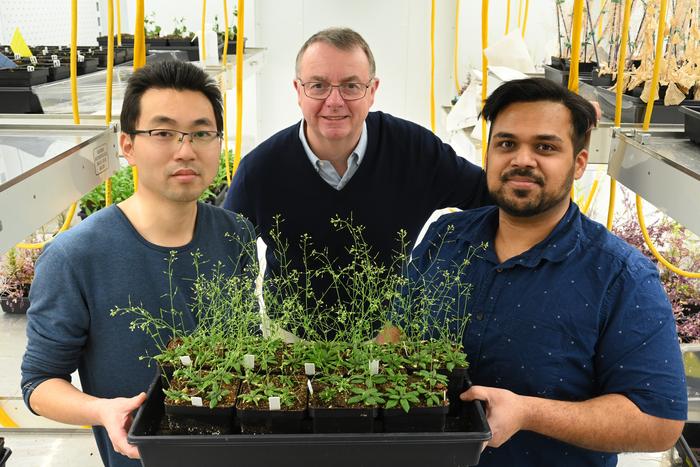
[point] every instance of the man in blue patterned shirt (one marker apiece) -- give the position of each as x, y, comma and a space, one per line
572, 342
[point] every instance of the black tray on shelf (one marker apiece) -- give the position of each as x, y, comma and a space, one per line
562, 76
459, 445
633, 108
4, 455
20, 77
691, 115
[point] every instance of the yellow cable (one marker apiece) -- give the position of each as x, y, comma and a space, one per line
650, 244
484, 74
223, 91
575, 45
119, 24
239, 85
456, 57
139, 62
432, 65
527, 7
507, 16
64, 227
645, 126
621, 58
520, 11
591, 195
108, 97
204, 17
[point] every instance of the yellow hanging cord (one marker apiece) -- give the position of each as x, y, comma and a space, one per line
239, 85
619, 89
507, 16
108, 96
456, 57
484, 74
119, 24
591, 195
575, 45
139, 62
204, 17
599, 31
645, 126
76, 114
224, 58
520, 11
432, 65
527, 8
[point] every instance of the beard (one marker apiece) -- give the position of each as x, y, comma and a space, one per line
528, 203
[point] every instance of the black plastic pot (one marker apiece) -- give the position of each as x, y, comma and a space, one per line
254, 421
457, 382
633, 108
15, 307
349, 420
157, 41
192, 420
691, 115
20, 77
600, 80
562, 76
417, 419
89, 65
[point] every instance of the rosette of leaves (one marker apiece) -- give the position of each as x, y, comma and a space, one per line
256, 390
217, 387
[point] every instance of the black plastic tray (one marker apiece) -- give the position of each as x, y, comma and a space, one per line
562, 76
691, 115
4, 455
633, 108
459, 446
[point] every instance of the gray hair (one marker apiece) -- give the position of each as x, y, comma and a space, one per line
340, 38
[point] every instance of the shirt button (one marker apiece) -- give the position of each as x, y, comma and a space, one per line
499, 270
479, 316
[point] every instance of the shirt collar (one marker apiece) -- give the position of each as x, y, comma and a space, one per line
358, 152
558, 245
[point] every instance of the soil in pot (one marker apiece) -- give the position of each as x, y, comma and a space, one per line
337, 415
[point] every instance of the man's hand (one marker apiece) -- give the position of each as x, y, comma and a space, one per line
115, 416
506, 411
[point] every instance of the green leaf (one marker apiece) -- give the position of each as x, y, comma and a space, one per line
404, 404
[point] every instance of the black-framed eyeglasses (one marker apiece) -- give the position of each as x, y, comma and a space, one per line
348, 91
168, 137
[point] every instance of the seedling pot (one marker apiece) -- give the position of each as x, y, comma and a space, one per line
20, 306
256, 421
193, 420
416, 420
348, 420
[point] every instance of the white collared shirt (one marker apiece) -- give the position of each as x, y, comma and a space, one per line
326, 170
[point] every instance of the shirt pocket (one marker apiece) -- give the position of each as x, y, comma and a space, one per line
528, 357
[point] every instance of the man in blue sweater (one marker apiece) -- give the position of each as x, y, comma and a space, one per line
571, 342
171, 126
385, 173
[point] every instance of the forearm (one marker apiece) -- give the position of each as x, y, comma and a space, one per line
609, 423
59, 400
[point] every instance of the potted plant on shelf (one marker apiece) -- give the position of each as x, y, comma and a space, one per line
122, 188
152, 31
181, 36
16, 275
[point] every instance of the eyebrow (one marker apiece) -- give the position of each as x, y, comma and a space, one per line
350, 79
158, 119
543, 137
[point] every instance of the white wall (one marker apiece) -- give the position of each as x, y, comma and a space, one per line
44, 22
398, 31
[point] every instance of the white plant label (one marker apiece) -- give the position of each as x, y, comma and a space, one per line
374, 367
444, 395
30, 68
54, 57
274, 402
311, 389
186, 360
196, 401
18, 56
45, 51
56, 63
32, 60
81, 58
310, 369
249, 361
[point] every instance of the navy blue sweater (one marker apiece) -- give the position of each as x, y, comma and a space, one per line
407, 173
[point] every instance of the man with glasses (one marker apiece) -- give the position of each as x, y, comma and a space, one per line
171, 125
385, 173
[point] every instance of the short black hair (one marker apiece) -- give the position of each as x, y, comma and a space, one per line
168, 74
583, 114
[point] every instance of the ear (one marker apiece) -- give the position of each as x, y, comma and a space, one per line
126, 144
580, 163
372, 89
299, 89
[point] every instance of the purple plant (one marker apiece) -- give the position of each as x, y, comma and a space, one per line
681, 248
17, 273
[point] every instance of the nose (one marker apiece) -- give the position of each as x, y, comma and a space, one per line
185, 151
335, 99
523, 157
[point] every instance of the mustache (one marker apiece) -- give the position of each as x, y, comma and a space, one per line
522, 173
